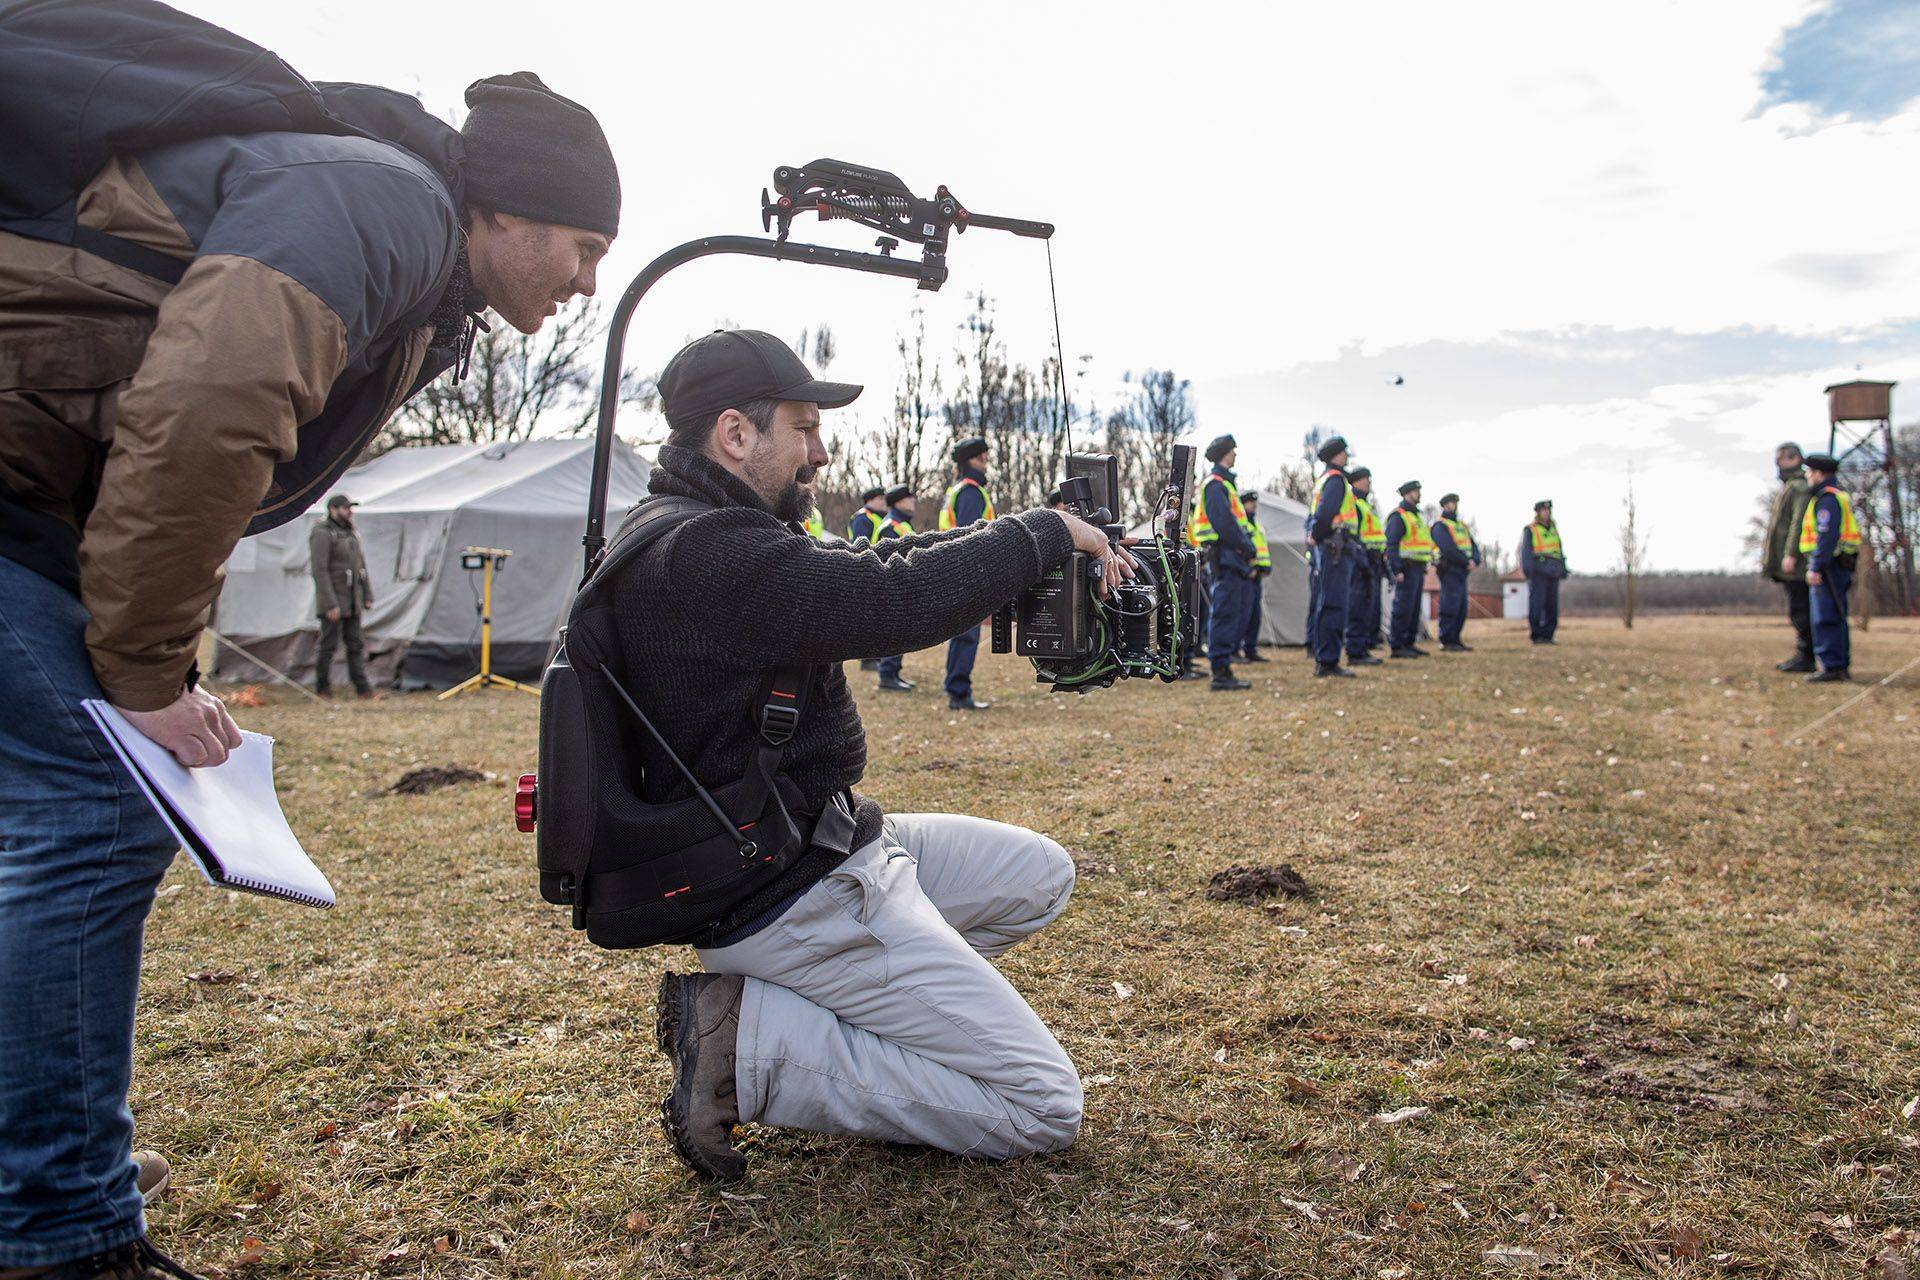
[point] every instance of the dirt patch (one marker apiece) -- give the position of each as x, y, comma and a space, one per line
416, 782
1671, 1073
1240, 883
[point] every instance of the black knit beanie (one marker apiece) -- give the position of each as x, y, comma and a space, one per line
535, 154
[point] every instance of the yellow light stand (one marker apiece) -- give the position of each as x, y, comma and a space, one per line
482, 560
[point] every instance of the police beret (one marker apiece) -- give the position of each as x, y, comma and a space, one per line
1409, 487
1333, 448
868, 495
1445, 498
1220, 447
1544, 502
899, 491
1822, 462
971, 447
1359, 473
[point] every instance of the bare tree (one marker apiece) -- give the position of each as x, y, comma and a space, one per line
1141, 435
1020, 412
1633, 556
517, 385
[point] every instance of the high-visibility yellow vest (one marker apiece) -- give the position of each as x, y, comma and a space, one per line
1349, 517
875, 520
947, 517
1849, 544
815, 525
1373, 534
1461, 538
1546, 542
901, 528
1262, 557
1204, 534
1416, 544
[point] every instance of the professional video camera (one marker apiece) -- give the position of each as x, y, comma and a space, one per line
1142, 628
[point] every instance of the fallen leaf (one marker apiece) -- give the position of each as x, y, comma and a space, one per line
1466, 1215
252, 1249
1479, 1033
442, 1244
1912, 1110
1303, 1207
1220, 1054
1300, 1087
742, 1199
1178, 1224
1291, 931
1346, 1166
215, 977
1091, 1081
1515, 1258
1625, 1184
1122, 990
1387, 1119
398, 1252
168, 892
1778, 982
1585, 941
326, 1130
1684, 1242
1887, 1265
639, 1223
1791, 1018
1518, 1045
1394, 1273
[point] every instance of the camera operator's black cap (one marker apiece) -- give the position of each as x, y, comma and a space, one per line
971, 447
1822, 462
1333, 448
898, 492
1220, 447
730, 367
1445, 498
1409, 487
1359, 473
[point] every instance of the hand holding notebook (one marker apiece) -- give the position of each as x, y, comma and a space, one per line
227, 817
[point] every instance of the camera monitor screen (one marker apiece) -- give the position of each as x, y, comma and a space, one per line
1102, 474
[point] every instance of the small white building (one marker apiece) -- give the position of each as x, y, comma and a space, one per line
1513, 594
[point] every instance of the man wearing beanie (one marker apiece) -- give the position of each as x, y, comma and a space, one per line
209, 331
847, 990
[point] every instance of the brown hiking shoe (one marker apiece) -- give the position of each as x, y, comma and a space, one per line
136, 1261
152, 1174
698, 1028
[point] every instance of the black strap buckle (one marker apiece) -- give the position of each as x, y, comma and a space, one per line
777, 722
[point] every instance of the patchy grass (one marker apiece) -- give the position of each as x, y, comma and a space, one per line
1650, 964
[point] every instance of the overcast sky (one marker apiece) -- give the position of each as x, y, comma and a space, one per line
1585, 236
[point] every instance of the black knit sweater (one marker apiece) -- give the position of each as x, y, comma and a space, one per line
708, 613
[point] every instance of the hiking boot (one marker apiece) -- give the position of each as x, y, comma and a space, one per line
699, 1026
1418, 652
1796, 665
968, 703
895, 684
151, 1175
1832, 675
1227, 682
1193, 673
1362, 660
1405, 651
1254, 657
1456, 648
1324, 669
136, 1261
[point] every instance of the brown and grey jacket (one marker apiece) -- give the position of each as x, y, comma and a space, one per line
339, 569
144, 428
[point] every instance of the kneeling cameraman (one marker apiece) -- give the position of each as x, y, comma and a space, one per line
853, 993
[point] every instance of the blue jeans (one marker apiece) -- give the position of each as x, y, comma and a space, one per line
81, 853
960, 651
1543, 605
1403, 629
1832, 643
1330, 618
1453, 605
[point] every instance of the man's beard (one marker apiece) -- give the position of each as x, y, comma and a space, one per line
788, 498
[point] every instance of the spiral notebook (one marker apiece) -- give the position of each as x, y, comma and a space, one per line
227, 818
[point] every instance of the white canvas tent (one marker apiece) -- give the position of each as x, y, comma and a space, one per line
418, 509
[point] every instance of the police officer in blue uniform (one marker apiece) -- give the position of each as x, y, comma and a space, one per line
1334, 535
966, 503
1830, 542
869, 517
1458, 552
1409, 552
1229, 554
1262, 566
897, 521
1363, 596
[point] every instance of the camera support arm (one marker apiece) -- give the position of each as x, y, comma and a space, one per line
832, 190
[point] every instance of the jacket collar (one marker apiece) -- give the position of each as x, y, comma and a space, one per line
1229, 476
688, 473
974, 474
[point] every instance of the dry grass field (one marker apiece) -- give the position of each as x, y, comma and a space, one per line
1646, 963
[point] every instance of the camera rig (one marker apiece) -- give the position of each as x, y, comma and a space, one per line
833, 191
1079, 641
